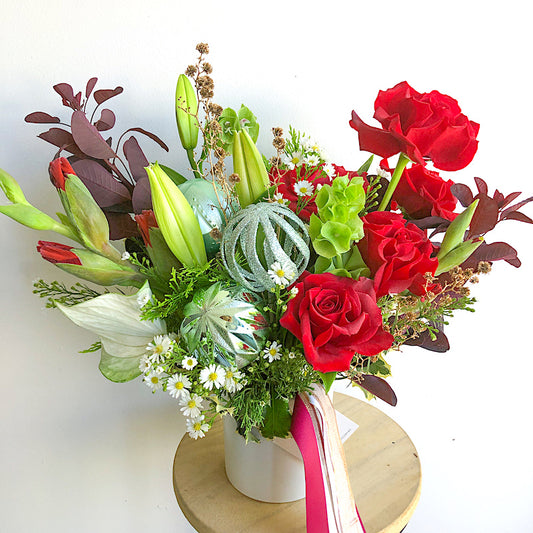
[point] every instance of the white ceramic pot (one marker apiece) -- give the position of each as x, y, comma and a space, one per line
263, 471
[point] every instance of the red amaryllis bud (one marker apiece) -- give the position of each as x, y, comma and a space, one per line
57, 253
58, 170
145, 221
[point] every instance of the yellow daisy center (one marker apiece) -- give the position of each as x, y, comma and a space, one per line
229, 374
191, 404
295, 159
280, 273
154, 379
179, 385
272, 352
158, 349
197, 426
213, 376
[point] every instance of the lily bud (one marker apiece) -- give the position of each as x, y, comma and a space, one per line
88, 265
176, 219
187, 123
11, 189
456, 230
248, 164
458, 255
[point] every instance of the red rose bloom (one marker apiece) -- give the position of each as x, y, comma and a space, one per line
423, 193
58, 170
397, 253
335, 317
420, 125
57, 253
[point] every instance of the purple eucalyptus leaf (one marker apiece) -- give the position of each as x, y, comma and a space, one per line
508, 199
136, 158
485, 216
496, 251
440, 344
141, 198
39, 117
88, 139
430, 222
121, 225
105, 94
106, 120
481, 185
462, 193
516, 215
63, 140
106, 190
517, 206
67, 94
151, 135
378, 387
90, 86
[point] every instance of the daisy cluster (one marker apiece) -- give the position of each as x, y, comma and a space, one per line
196, 387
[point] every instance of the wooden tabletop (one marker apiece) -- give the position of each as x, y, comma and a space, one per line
383, 466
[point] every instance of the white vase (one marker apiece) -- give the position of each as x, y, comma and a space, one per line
263, 471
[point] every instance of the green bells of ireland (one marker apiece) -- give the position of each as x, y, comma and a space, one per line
176, 219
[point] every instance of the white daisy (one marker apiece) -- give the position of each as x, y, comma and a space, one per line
272, 352
231, 382
304, 188
145, 364
311, 145
197, 428
292, 355
143, 299
294, 291
125, 256
177, 386
281, 275
312, 160
212, 376
192, 405
160, 346
329, 169
153, 380
189, 363
278, 197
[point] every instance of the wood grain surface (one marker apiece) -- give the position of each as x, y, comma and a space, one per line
383, 466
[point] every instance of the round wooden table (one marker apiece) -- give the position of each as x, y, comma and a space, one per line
382, 462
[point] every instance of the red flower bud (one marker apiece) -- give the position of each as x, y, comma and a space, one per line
57, 253
145, 221
58, 170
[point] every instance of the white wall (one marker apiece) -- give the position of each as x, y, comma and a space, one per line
78, 453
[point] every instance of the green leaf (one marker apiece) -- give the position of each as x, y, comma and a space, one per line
176, 177
92, 348
366, 165
119, 369
327, 378
277, 419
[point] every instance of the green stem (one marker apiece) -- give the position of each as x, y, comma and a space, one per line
194, 164
398, 171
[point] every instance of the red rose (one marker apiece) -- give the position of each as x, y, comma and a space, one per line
58, 169
397, 253
335, 317
420, 125
57, 253
423, 193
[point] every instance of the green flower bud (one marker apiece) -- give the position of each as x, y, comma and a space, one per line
458, 255
456, 230
248, 164
186, 108
11, 188
176, 219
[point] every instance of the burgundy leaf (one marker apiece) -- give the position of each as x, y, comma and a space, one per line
485, 216
516, 215
67, 94
90, 86
378, 387
463, 194
498, 197
106, 120
88, 139
39, 117
440, 344
481, 186
105, 94
495, 251
121, 225
106, 190
441, 228
142, 196
152, 136
63, 140
430, 222
136, 158
509, 198
517, 206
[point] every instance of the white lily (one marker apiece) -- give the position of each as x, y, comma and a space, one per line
116, 319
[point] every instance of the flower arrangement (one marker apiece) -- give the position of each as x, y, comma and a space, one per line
235, 290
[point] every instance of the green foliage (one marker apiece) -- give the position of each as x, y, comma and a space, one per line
59, 292
277, 421
92, 348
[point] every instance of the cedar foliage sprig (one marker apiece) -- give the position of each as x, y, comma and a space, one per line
60, 293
